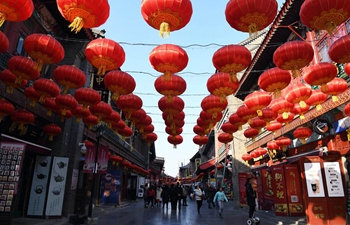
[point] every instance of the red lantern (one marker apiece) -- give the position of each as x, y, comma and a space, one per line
211, 118
90, 121
174, 131
166, 16
105, 55
66, 102
229, 128
171, 108
268, 115
32, 95
67, 115
257, 101
246, 157
302, 133
46, 88
116, 159
281, 106
126, 132
43, 49
173, 86
336, 87
23, 68
286, 120
150, 138
257, 123
50, 105
251, 133
118, 126
245, 113
204, 124
15, 11
79, 112
84, 13
283, 142
274, 126
321, 74
250, 15
22, 117
137, 116
114, 117
175, 123
6, 108
199, 130
200, 140
232, 59
213, 104
272, 145
300, 111
261, 152
316, 99
126, 163
175, 140
346, 109
180, 116
147, 130
69, 77
254, 154
52, 130
236, 120
221, 85
9, 79
324, 14
274, 80
293, 56
347, 68
128, 104
87, 96
298, 94
101, 110
145, 122
120, 83
225, 138
168, 59
4, 41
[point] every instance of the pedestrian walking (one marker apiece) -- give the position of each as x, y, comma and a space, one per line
151, 194
145, 196
184, 196
178, 190
198, 195
210, 192
220, 198
158, 195
173, 197
251, 195
165, 196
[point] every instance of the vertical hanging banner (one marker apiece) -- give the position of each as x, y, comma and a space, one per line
242, 179
260, 196
314, 181
110, 187
89, 159
267, 190
38, 190
102, 159
293, 188
57, 186
280, 194
333, 179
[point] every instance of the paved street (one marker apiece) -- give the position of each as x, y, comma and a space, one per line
135, 214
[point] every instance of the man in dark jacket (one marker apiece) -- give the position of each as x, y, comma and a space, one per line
165, 196
251, 195
209, 193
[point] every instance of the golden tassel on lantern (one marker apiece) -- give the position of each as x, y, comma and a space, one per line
335, 98
302, 116
164, 30
2, 18
77, 24
302, 105
101, 70
259, 112
348, 131
233, 77
319, 107
253, 30
285, 115
50, 138
330, 27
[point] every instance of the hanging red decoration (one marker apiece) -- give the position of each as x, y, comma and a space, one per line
168, 59
204, 124
84, 13
4, 42
43, 49
52, 130
128, 104
32, 95
15, 11
79, 112
283, 142
145, 122
166, 16
6, 108
298, 94
300, 111
66, 102
87, 96
320, 74
67, 115
175, 123
340, 50
302, 133
347, 68
232, 59
236, 120
171, 108
23, 68
225, 138
268, 115
261, 152
118, 126
119, 82
90, 121
254, 154
180, 116
286, 120
199, 130
274, 80
150, 138
324, 14
274, 126
257, 101
105, 55
246, 157
101, 110
9, 79
336, 87
175, 140
114, 117
220, 85
229, 128
245, 113
22, 117
316, 99
69, 77
257, 123
273, 146
251, 133
281, 106
293, 55
125, 132
174, 131
50, 105
173, 86
213, 104
250, 15
147, 130
137, 116
200, 140
116, 159
346, 109
46, 88
211, 118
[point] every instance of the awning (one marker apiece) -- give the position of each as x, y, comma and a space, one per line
257, 168
295, 158
29, 146
207, 164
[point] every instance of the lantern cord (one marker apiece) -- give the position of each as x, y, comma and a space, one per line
253, 30
164, 30
77, 24
2, 18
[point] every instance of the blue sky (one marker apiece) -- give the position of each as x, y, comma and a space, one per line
208, 25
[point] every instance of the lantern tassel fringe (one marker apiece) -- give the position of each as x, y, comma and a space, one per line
101, 70
2, 18
77, 24
335, 98
253, 30
330, 27
318, 107
39, 65
164, 30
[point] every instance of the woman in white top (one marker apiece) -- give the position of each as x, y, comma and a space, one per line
198, 195
158, 194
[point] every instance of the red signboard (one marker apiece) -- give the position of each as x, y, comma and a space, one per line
267, 190
102, 159
89, 159
279, 189
293, 187
242, 179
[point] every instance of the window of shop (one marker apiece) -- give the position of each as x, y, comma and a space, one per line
19, 47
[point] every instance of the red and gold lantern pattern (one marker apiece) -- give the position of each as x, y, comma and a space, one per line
293, 56
175, 140
79, 112
173, 86
268, 115
46, 88
118, 126
101, 110
211, 118
324, 14
300, 111
316, 99
52, 130
150, 138
251, 133
199, 130
87, 96
90, 121
126, 132
4, 41
175, 131
298, 94
261, 152
22, 117
6, 108
213, 104
32, 95
257, 101
166, 16
257, 123
283, 142
128, 104
84, 14
137, 116
281, 106
225, 138
286, 120
114, 117
43, 49
274, 126
145, 122
246, 157
232, 59
250, 15
69, 77
105, 55
245, 113
340, 50
221, 85
229, 128
336, 87
147, 130
273, 146
67, 115
236, 120
302, 133
119, 82
66, 102
23, 68
274, 80
9, 79
320, 74
50, 105
15, 11
171, 108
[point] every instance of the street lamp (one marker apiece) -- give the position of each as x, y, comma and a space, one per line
99, 133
